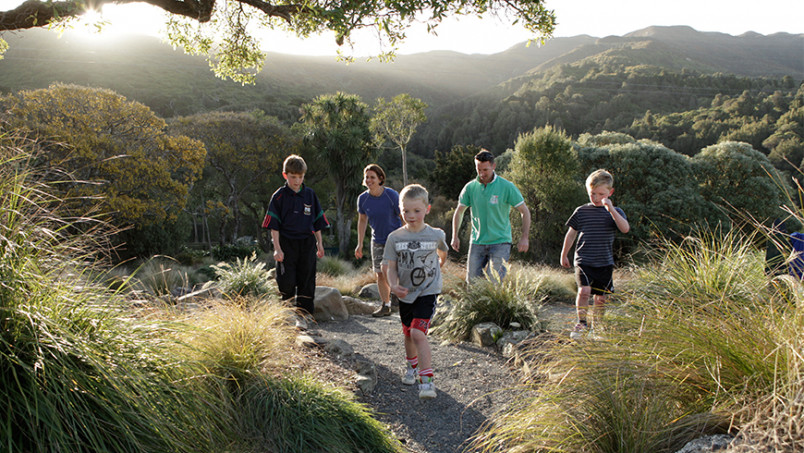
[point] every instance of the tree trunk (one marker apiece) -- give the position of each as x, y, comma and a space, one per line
404, 166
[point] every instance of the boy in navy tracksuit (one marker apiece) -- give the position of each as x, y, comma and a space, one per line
296, 219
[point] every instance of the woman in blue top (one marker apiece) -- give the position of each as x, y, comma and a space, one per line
379, 207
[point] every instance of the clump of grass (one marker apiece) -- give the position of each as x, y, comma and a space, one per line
244, 277
334, 266
79, 374
245, 347
515, 299
557, 285
691, 352
160, 276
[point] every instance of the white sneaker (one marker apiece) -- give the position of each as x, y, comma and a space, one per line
427, 390
578, 332
411, 374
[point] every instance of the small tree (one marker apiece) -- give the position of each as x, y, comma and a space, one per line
336, 131
546, 170
396, 121
453, 169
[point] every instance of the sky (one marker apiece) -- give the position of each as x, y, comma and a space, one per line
598, 18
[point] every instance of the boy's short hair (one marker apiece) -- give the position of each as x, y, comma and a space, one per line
484, 156
376, 169
415, 191
600, 178
294, 164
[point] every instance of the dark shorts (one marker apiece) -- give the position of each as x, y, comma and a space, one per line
421, 311
599, 278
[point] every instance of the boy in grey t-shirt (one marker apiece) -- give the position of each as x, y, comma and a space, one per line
415, 254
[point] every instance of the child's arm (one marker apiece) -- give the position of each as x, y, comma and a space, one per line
362, 221
442, 257
569, 239
622, 223
319, 244
279, 256
393, 280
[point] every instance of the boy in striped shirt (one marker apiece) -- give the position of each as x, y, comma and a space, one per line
594, 224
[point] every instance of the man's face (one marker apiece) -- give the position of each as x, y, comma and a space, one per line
485, 171
294, 180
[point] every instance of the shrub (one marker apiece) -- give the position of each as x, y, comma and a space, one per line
244, 277
231, 252
334, 266
160, 276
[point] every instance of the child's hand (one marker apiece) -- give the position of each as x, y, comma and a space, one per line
320, 252
400, 291
565, 261
607, 203
279, 256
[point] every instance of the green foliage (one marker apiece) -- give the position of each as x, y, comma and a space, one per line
115, 151
245, 277
336, 130
655, 187
243, 151
396, 121
453, 169
741, 180
230, 252
516, 299
545, 168
334, 266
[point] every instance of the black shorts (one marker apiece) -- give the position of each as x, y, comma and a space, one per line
599, 278
421, 308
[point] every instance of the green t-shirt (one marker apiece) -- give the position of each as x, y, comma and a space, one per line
490, 205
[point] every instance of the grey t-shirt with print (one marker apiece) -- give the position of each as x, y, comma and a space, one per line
417, 260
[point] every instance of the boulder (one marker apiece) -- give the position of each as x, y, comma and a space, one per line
366, 376
359, 307
370, 292
339, 348
708, 444
509, 341
329, 305
486, 333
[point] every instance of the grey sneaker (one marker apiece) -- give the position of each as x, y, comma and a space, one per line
384, 310
578, 332
427, 390
411, 374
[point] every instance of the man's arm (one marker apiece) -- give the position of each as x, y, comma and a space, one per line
524, 242
362, 222
457, 219
569, 239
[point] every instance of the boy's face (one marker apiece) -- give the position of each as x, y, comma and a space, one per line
598, 194
414, 210
485, 171
294, 180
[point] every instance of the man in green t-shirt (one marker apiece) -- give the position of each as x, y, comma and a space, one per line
490, 198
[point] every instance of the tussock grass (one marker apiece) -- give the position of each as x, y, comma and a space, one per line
245, 277
515, 299
82, 372
703, 343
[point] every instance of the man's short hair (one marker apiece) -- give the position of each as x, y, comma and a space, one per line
600, 178
484, 156
294, 164
376, 169
415, 191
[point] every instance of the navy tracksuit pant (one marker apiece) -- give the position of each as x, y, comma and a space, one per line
295, 275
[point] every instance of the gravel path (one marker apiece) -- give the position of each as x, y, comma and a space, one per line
473, 383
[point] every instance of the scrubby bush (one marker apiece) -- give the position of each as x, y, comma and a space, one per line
244, 277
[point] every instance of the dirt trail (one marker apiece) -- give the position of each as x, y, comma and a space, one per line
473, 382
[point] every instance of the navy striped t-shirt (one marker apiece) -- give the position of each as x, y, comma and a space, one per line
596, 229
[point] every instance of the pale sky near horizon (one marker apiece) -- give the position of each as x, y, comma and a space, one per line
490, 35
